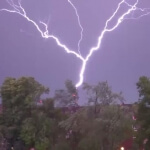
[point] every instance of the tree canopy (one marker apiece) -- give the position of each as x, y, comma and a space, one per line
29, 121
143, 114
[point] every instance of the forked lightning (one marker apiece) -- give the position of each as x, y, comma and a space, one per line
132, 8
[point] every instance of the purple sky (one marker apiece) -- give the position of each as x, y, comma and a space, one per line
122, 59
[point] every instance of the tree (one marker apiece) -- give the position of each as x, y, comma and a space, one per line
143, 113
102, 129
66, 97
19, 98
36, 131
41, 130
101, 95
76, 126
111, 127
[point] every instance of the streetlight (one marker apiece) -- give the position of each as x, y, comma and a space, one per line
122, 148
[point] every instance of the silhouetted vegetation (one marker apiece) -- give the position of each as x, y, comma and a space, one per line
59, 123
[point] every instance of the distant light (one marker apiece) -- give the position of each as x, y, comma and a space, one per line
133, 117
122, 148
73, 95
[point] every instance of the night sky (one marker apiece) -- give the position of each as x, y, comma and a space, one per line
123, 57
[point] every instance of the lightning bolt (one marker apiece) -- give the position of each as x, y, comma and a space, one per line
106, 29
79, 22
18, 9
